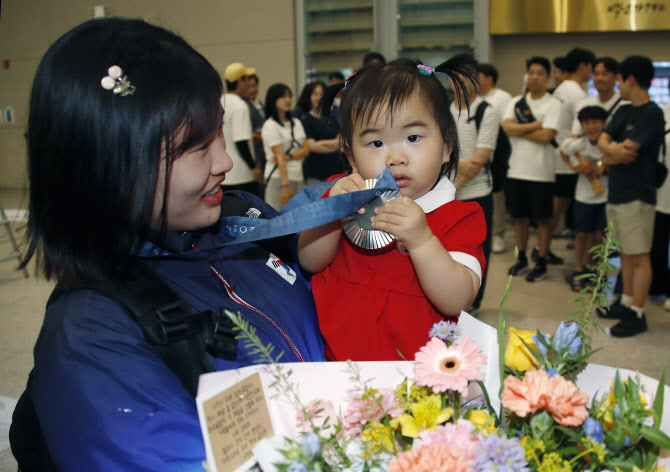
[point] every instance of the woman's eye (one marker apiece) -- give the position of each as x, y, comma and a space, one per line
413, 138
376, 144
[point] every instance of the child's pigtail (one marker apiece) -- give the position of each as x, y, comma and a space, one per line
327, 99
462, 70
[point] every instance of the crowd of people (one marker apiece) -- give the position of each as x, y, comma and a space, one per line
127, 180
558, 176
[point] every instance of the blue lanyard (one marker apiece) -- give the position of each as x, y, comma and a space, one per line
305, 211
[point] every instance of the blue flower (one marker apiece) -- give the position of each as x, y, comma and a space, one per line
296, 466
310, 445
551, 372
445, 330
500, 454
593, 429
541, 347
566, 336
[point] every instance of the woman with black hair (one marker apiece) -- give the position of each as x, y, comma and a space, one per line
323, 138
285, 147
126, 158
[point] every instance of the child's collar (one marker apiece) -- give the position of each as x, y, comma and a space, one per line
444, 192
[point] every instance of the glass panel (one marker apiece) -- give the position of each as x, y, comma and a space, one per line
433, 31
338, 33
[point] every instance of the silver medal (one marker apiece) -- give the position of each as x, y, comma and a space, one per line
358, 228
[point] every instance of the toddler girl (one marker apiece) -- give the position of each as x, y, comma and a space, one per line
374, 304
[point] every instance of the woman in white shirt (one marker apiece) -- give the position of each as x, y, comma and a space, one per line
285, 147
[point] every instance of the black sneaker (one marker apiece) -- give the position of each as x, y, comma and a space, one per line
551, 258
538, 273
629, 326
520, 267
616, 311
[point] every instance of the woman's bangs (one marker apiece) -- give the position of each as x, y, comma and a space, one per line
203, 113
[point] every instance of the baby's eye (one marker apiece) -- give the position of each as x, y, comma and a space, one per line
376, 144
413, 138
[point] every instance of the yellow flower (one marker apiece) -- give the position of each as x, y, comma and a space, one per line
378, 438
552, 462
517, 355
427, 414
480, 418
607, 407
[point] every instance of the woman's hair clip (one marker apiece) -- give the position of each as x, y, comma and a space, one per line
117, 82
425, 70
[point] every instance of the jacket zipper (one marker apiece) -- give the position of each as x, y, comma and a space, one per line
239, 300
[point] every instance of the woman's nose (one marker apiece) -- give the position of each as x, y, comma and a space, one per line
221, 161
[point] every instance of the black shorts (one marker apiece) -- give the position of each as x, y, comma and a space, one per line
565, 185
528, 199
589, 217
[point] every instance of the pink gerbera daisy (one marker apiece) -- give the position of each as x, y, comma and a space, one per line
445, 367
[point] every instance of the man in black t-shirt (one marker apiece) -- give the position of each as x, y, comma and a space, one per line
631, 143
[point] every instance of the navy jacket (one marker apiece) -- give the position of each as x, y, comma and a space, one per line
105, 399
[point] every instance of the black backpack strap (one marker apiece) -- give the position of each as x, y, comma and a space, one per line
479, 114
609, 112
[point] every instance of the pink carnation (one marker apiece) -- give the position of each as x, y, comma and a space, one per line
445, 367
429, 459
458, 435
537, 391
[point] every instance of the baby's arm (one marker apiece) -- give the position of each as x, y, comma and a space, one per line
318, 246
448, 284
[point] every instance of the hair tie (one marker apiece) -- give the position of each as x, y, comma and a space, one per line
346, 82
117, 82
425, 70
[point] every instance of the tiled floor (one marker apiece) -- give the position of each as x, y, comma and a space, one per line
531, 306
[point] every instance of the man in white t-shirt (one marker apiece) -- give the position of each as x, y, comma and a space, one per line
531, 122
604, 80
499, 99
579, 63
238, 132
477, 137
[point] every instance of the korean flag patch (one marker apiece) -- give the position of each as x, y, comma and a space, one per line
282, 268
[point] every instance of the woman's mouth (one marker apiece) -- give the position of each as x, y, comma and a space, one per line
214, 197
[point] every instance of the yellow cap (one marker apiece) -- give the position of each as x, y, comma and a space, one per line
236, 71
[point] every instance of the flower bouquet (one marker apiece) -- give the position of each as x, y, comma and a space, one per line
439, 415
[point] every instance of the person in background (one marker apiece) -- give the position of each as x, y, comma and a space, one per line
583, 155
335, 78
579, 63
237, 128
499, 99
285, 147
323, 139
631, 144
149, 196
257, 115
560, 72
660, 281
531, 122
474, 182
373, 57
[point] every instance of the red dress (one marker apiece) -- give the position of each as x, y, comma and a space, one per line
369, 302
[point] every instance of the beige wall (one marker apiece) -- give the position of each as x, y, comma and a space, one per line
508, 53
259, 33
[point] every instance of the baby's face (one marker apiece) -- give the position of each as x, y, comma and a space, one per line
409, 143
592, 129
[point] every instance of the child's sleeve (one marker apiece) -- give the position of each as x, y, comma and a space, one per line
462, 232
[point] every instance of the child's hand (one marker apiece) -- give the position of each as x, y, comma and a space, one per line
404, 220
347, 184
